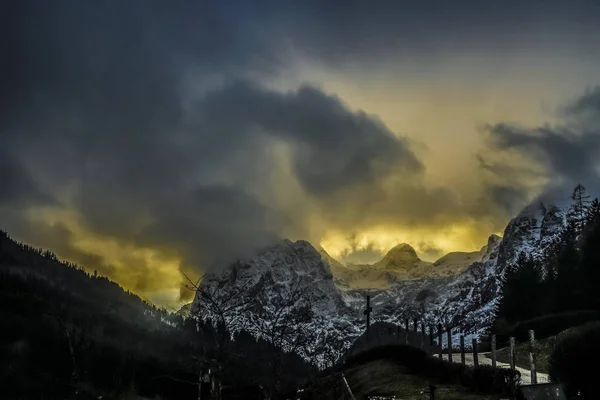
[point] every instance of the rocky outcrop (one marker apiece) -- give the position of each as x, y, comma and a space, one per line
460, 289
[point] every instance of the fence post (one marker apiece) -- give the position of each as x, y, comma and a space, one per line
462, 349
532, 357
440, 338
449, 337
398, 333
415, 339
475, 353
431, 339
407, 328
493, 351
511, 355
367, 312
422, 335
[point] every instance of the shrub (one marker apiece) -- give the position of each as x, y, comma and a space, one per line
574, 361
552, 324
490, 380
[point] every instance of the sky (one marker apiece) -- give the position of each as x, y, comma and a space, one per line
152, 139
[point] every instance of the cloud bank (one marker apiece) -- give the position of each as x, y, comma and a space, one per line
143, 139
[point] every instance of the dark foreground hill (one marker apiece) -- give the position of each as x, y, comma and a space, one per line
66, 333
407, 373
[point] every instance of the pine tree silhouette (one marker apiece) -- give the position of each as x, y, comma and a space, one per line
578, 212
522, 291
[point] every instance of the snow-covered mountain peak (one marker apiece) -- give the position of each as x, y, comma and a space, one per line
402, 250
402, 257
286, 259
493, 240
490, 250
459, 289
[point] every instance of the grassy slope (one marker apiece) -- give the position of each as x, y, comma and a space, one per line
387, 377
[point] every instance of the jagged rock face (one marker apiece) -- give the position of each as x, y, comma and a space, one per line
285, 266
459, 299
399, 265
467, 298
269, 279
459, 289
532, 232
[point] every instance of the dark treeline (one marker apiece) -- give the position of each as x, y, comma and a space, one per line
559, 291
567, 278
66, 333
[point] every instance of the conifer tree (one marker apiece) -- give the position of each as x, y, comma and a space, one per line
522, 291
578, 212
550, 229
593, 214
567, 290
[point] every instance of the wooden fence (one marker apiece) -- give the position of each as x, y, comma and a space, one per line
430, 338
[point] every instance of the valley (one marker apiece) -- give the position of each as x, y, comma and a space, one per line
295, 309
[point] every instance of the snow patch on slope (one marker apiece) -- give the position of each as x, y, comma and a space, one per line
458, 290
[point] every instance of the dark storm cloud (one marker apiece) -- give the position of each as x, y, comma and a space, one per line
363, 33
187, 192
568, 152
505, 170
332, 147
98, 116
509, 198
17, 185
101, 114
587, 104
92, 97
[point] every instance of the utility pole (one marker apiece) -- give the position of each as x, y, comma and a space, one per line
532, 357
449, 338
368, 312
493, 351
439, 332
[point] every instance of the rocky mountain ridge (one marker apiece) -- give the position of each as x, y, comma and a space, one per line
460, 289
268, 295
401, 263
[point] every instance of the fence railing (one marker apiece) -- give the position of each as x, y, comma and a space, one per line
448, 344
423, 335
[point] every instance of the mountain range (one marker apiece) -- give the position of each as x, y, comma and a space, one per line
459, 290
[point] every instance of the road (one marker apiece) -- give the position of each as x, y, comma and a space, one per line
484, 360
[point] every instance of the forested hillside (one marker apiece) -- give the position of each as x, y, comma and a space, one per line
66, 333
567, 277
557, 295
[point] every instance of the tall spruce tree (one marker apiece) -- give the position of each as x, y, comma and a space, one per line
578, 211
570, 281
567, 291
550, 228
593, 212
522, 291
